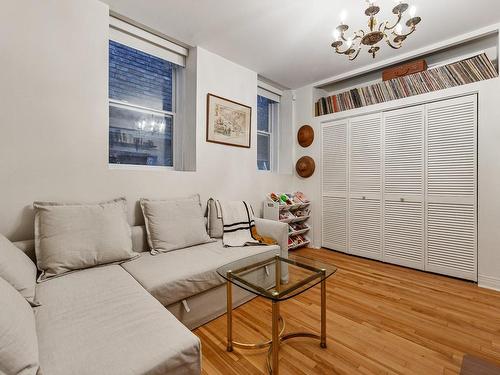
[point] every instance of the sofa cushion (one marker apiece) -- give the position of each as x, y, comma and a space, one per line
174, 223
173, 276
74, 236
18, 342
17, 269
101, 321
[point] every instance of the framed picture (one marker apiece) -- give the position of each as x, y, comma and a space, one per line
228, 122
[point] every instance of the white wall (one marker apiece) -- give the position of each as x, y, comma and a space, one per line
54, 119
309, 186
489, 185
488, 164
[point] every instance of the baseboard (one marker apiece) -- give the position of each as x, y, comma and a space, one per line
489, 282
315, 245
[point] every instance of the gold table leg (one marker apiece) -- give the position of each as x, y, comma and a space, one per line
229, 314
275, 346
277, 332
276, 339
323, 312
278, 273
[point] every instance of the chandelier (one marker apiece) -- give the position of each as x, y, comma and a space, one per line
392, 34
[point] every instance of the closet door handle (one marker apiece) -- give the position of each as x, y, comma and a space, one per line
363, 197
402, 199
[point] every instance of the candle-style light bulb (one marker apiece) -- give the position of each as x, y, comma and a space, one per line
413, 11
343, 16
336, 34
398, 29
349, 43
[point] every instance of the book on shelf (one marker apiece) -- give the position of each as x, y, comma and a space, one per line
477, 68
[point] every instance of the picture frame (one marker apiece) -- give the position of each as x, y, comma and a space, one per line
228, 122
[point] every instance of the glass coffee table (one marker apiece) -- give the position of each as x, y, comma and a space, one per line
277, 279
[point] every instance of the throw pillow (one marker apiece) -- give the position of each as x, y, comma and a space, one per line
174, 223
73, 236
18, 269
19, 349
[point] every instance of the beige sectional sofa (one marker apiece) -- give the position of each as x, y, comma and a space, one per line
135, 317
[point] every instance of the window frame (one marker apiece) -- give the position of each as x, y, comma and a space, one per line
153, 111
135, 35
273, 128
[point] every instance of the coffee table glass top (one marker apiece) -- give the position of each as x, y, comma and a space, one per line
274, 277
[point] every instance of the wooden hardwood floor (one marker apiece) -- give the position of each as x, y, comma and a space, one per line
381, 319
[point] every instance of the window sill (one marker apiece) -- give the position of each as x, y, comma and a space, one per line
132, 167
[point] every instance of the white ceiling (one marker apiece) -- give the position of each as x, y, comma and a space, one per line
288, 41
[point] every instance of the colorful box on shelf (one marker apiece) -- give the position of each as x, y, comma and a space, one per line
298, 228
297, 241
286, 216
297, 219
288, 200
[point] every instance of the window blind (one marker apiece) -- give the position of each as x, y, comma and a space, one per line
269, 92
135, 37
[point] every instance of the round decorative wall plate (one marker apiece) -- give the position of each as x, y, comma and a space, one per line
305, 166
305, 135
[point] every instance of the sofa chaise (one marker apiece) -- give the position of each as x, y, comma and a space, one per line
135, 317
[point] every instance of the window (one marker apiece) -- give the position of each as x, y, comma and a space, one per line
141, 107
267, 114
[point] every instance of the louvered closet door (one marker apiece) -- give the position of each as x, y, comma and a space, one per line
452, 187
404, 187
334, 185
365, 186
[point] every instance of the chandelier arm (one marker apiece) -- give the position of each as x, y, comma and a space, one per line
337, 50
355, 36
342, 52
342, 36
400, 15
392, 45
408, 33
352, 57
